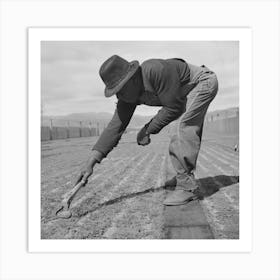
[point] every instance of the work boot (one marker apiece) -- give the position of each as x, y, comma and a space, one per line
171, 183
184, 192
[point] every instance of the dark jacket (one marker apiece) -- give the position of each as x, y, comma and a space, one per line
166, 83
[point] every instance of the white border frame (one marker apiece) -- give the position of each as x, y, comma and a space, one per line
243, 35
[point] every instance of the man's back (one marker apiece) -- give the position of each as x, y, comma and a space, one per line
164, 79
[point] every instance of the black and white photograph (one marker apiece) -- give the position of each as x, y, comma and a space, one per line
140, 139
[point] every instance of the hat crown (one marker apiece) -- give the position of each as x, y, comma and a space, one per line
113, 70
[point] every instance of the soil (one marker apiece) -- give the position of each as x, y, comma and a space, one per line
123, 198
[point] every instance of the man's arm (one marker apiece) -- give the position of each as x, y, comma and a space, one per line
111, 136
154, 126
164, 116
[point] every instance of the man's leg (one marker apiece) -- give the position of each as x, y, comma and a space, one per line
184, 146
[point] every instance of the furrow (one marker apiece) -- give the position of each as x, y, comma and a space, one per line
89, 193
112, 229
129, 205
231, 154
126, 179
219, 158
97, 176
215, 217
220, 185
211, 163
222, 154
162, 172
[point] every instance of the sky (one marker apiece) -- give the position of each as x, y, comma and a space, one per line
70, 81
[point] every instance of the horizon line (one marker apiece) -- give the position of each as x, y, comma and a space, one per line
111, 113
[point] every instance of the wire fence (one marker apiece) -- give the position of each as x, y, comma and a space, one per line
225, 122
52, 129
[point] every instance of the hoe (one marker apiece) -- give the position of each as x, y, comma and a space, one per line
64, 211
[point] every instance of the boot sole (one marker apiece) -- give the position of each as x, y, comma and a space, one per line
183, 202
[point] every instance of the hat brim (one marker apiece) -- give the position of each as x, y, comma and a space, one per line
133, 66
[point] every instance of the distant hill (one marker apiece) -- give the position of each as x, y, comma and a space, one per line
90, 116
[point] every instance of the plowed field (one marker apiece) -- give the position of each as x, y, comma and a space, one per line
123, 198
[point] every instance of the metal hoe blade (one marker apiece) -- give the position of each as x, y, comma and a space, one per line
64, 211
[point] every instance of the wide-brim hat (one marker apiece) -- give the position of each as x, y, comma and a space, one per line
115, 72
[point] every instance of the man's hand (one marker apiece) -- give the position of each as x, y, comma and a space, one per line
86, 171
143, 138
145, 141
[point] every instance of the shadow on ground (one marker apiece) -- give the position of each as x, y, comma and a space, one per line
210, 185
119, 199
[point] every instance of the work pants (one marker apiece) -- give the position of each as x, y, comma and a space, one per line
185, 144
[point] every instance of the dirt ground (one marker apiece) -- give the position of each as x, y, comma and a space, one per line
123, 198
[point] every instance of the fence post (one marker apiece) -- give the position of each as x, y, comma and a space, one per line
97, 128
80, 128
67, 129
51, 128
90, 132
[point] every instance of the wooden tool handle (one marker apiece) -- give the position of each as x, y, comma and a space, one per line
72, 192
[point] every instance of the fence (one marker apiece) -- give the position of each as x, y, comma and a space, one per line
227, 124
63, 129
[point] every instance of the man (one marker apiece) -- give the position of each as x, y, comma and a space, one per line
159, 82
